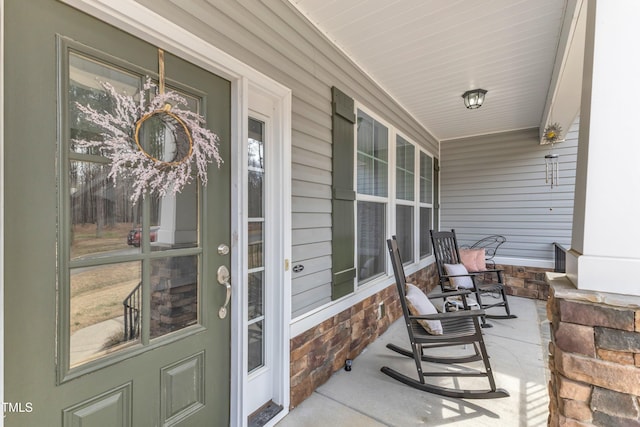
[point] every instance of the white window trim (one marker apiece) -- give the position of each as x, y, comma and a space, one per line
424, 204
387, 201
416, 195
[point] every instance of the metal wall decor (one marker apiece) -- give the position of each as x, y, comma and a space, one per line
552, 169
552, 166
552, 134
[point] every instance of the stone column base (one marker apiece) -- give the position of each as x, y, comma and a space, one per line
594, 356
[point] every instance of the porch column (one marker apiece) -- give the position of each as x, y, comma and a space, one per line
605, 247
178, 219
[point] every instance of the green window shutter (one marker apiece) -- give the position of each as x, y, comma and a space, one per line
344, 196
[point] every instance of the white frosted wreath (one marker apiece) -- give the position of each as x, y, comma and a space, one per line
130, 161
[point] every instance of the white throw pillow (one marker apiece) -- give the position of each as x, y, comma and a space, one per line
419, 304
463, 282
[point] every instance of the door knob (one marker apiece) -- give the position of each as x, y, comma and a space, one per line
223, 278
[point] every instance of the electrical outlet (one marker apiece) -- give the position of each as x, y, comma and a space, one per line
381, 312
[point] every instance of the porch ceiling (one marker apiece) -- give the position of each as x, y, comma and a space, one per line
426, 53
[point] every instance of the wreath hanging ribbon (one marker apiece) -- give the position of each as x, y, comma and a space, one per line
121, 134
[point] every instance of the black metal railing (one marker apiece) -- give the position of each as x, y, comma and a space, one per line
132, 307
560, 258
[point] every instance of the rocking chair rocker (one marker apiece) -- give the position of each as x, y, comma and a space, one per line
445, 250
458, 328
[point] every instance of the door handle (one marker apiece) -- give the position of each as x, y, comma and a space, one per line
223, 278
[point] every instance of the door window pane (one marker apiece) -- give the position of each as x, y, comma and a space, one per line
405, 165
256, 345
255, 148
85, 88
174, 294
102, 217
371, 243
256, 286
173, 222
404, 232
256, 237
98, 307
256, 189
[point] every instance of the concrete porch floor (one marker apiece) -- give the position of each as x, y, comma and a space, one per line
367, 397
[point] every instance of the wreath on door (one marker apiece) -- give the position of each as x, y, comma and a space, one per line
154, 142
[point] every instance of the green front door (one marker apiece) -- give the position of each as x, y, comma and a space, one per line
112, 303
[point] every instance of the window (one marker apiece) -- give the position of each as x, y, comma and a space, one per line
426, 203
372, 188
405, 210
405, 183
373, 142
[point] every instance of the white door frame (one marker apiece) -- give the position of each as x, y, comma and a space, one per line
141, 22
278, 235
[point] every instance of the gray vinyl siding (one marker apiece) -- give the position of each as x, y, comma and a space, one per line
495, 184
274, 38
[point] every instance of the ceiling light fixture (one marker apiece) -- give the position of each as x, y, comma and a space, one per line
474, 98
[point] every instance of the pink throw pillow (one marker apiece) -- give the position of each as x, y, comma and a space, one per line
473, 259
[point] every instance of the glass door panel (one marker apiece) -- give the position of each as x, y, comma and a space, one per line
116, 262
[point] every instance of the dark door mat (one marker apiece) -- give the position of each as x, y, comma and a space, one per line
264, 414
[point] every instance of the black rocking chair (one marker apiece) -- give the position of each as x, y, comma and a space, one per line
459, 328
445, 250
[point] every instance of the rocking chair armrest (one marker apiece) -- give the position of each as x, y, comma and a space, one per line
449, 294
490, 270
470, 274
449, 315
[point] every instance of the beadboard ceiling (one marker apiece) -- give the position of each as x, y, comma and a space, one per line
426, 53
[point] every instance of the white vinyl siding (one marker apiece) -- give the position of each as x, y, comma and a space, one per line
278, 41
495, 184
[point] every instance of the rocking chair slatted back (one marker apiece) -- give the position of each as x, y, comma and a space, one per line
445, 249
